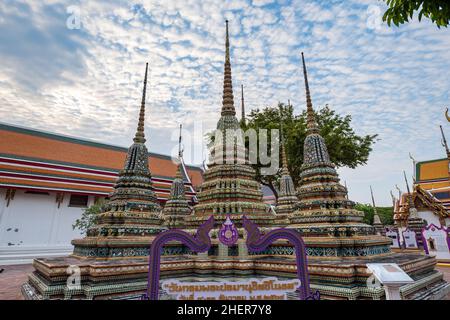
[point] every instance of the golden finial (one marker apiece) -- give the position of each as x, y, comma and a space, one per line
392, 197
444, 143
410, 197
399, 192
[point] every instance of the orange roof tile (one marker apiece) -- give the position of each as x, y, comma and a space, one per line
32, 158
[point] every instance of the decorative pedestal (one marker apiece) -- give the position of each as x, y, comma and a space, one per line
392, 277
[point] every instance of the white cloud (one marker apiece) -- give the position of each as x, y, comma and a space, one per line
87, 82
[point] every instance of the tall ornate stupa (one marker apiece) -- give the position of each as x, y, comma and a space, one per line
229, 186
338, 243
112, 258
324, 210
132, 214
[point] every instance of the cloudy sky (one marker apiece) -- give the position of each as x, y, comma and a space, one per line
76, 68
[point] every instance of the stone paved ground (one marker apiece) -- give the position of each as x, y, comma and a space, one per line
13, 277
446, 271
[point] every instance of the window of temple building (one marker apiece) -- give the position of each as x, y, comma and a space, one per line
431, 244
99, 200
78, 200
38, 192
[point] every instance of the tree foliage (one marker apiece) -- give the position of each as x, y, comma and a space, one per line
385, 214
345, 147
401, 11
88, 217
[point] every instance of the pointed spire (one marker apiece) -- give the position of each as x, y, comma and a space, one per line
311, 121
228, 100
242, 105
180, 151
346, 189
444, 143
285, 170
376, 217
140, 136
284, 164
179, 174
373, 200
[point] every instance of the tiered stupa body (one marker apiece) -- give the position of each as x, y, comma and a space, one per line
113, 258
339, 244
132, 216
325, 215
229, 186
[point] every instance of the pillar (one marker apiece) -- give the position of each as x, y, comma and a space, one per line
223, 251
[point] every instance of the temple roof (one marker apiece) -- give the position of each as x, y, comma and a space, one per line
423, 199
431, 189
34, 159
433, 174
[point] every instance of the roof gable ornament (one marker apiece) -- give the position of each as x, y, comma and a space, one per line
444, 143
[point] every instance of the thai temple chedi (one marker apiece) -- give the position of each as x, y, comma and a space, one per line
113, 257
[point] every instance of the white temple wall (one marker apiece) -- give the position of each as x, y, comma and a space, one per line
430, 217
33, 226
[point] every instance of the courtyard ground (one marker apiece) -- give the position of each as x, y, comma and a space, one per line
12, 277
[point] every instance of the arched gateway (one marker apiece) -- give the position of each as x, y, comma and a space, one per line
201, 242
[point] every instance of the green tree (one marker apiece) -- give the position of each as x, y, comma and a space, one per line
88, 217
385, 213
400, 11
345, 147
